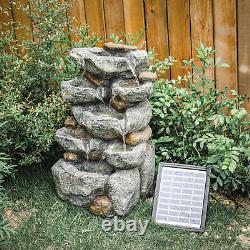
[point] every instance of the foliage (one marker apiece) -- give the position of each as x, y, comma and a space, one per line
5, 169
195, 123
31, 108
157, 66
127, 38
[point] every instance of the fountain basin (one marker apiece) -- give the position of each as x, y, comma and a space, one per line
130, 92
78, 187
67, 138
78, 91
105, 123
121, 157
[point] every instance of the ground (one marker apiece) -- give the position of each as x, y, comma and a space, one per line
43, 221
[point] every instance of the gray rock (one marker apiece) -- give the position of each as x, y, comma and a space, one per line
68, 139
111, 151
139, 58
127, 157
79, 188
138, 117
78, 91
100, 63
101, 167
99, 120
64, 136
147, 171
124, 190
130, 91
107, 124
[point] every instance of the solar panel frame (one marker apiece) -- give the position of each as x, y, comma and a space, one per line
205, 200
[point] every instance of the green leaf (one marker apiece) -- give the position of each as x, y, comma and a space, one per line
219, 181
215, 186
232, 166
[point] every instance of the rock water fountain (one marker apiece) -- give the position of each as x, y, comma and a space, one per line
109, 163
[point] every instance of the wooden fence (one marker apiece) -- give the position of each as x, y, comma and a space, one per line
174, 27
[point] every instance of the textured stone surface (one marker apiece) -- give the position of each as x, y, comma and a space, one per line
99, 63
70, 122
147, 171
108, 163
93, 79
101, 167
147, 76
124, 190
79, 91
117, 48
101, 206
119, 104
99, 120
125, 157
80, 188
114, 152
138, 117
138, 137
64, 136
104, 123
78, 141
69, 156
130, 91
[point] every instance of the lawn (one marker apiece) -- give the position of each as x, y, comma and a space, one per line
43, 221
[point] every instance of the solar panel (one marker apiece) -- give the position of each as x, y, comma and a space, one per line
181, 196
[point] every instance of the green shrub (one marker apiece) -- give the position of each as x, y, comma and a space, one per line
5, 169
31, 108
194, 123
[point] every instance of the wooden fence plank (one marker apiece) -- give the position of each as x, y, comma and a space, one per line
78, 12
24, 31
114, 17
201, 14
5, 16
6, 21
244, 49
157, 28
226, 42
134, 19
95, 17
179, 34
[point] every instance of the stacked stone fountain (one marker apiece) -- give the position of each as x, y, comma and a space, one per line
109, 163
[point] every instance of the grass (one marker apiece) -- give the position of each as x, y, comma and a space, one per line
43, 221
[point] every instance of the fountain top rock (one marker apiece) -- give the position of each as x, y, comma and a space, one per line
105, 65
116, 47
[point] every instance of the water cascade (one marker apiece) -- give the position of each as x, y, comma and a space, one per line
109, 162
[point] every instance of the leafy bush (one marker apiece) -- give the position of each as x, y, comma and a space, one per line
127, 38
31, 108
5, 169
195, 123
